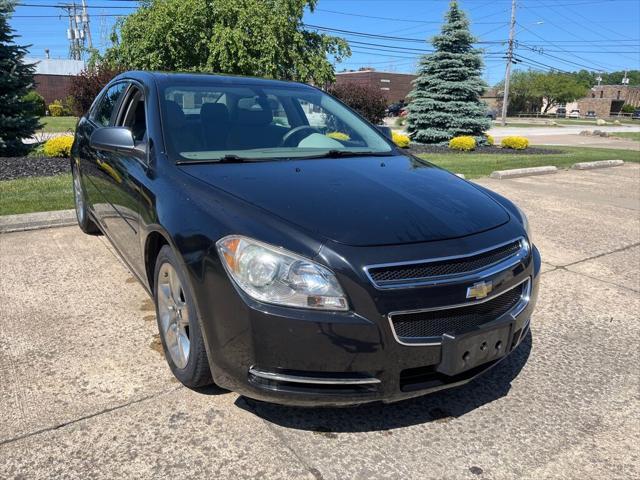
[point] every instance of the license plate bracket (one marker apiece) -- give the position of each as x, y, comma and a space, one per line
469, 350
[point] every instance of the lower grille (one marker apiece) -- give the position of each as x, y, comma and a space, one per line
433, 324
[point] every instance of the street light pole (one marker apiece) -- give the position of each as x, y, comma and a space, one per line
507, 74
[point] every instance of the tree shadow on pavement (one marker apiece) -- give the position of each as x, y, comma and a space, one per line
440, 406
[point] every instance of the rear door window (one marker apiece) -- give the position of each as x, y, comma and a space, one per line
132, 114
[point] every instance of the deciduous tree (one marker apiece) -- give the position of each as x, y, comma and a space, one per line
246, 37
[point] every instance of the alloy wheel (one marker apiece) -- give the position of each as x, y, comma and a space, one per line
174, 315
77, 194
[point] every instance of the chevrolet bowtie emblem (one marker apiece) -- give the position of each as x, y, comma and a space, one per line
479, 290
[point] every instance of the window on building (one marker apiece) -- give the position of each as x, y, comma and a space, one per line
601, 94
385, 80
618, 96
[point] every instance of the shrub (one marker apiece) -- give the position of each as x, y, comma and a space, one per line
464, 143
88, 83
400, 139
628, 108
490, 140
339, 136
68, 105
36, 103
58, 146
601, 122
367, 101
56, 109
515, 142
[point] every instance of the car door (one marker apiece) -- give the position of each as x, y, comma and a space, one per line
102, 114
124, 178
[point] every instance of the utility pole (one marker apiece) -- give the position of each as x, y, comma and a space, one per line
85, 23
78, 29
625, 80
507, 74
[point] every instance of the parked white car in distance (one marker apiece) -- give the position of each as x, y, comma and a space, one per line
574, 114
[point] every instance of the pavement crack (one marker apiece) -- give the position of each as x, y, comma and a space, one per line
599, 279
86, 417
617, 250
281, 438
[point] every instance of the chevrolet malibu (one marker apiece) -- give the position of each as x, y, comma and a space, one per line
294, 254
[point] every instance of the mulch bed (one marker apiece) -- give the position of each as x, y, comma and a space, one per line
419, 149
21, 167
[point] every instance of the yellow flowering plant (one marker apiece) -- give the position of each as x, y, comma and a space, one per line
58, 146
463, 143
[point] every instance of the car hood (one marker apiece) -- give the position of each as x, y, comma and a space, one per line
360, 201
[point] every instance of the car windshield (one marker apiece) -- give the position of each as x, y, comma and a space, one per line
223, 121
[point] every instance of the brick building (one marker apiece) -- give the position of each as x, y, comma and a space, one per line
397, 86
394, 86
607, 100
53, 77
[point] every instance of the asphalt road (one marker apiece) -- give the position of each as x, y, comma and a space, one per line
86, 394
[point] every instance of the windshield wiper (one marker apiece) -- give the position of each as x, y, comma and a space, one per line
348, 153
226, 159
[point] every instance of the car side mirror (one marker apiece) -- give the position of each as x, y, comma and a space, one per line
112, 139
386, 131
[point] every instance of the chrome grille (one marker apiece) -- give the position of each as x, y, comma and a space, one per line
392, 275
432, 324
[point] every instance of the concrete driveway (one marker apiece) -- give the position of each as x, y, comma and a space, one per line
86, 394
570, 136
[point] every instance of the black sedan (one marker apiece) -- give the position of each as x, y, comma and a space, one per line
293, 253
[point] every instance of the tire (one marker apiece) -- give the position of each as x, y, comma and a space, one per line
85, 222
178, 322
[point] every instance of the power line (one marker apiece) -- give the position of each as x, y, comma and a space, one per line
594, 24
39, 5
560, 59
407, 20
557, 46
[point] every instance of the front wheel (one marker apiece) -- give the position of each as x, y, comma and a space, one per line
86, 224
178, 324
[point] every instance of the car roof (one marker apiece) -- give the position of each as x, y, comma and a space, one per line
164, 78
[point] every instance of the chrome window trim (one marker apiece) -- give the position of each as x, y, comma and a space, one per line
282, 377
514, 312
470, 276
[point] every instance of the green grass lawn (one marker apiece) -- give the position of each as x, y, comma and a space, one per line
627, 135
39, 194
474, 165
58, 124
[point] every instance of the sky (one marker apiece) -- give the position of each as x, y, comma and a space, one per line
389, 35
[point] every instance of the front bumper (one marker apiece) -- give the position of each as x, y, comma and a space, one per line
314, 358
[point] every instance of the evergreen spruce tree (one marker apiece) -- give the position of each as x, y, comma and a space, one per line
445, 101
17, 120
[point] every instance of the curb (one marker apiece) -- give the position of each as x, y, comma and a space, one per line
522, 172
598, 164
34, 221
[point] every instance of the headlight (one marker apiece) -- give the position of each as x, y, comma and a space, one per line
274, 275
525, 224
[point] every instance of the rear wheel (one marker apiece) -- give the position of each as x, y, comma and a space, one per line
178, 324
86, 224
